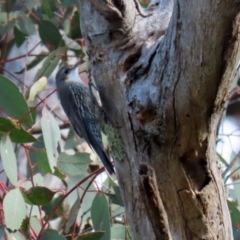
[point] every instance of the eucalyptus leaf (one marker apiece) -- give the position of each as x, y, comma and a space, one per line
68, 3
91, 236
49, 207
37, 195
16, 235
84, 212
37, 179
19, 36
51, 41
51, 136
37, 87
9, 160
35, 224
75, 32
21, 136
13, 102
32, 3
234, 212
42, 160
9, 6
116, 198
73, 214
120, 232
47, 8
14, 209
71, 43
2, 231
73, 165
26, 26
17, 134
7, 124
50, 234
50, 63
100, 215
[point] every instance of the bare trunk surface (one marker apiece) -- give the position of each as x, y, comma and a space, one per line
164, 74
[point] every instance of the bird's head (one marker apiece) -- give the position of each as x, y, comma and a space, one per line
68, 73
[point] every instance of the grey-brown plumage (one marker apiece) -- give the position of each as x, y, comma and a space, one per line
82, 110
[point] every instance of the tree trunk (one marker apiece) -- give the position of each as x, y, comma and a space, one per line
164, 74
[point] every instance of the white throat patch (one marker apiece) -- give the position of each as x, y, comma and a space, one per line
74, 76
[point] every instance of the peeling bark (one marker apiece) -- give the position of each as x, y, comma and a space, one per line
164, 74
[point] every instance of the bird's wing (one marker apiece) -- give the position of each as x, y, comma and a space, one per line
80, 116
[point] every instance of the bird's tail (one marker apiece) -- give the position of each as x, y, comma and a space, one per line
105, 160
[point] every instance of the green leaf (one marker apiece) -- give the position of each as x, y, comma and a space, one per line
50, 63
8, 27
38, 157
5, 24
73, 165
17, 134
84, 212
71, 43
50, 234
16, 235
117, 210
121, 232
8, 6
71, 141
51, 136
31, 4
235, 217
2, 232
35, 224
37, 195
115, 198
53, 40
73, 214
100, 215
236, 231
13, 102
37, 179
9, 159
26, 26
48, 208
21, 136
75, 32
25, 224
37, 87
46, 7
91, 236
234, 212
19, 36
222, 160
7, 124
33, 152
58, 174
68, 3
14, 209
42, 160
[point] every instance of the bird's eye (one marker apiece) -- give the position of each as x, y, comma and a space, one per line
66, 71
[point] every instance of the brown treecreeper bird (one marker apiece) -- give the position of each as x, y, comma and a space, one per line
82, 109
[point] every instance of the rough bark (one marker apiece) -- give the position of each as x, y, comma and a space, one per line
164, 74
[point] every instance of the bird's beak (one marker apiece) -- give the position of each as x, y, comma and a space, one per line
75, 66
